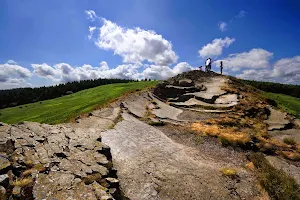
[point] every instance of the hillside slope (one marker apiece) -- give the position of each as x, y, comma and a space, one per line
67, 107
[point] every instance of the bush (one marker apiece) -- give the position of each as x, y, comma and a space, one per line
289, 140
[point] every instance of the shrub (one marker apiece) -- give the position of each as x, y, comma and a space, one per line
289, 140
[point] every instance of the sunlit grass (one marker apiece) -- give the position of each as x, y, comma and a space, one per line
63, 109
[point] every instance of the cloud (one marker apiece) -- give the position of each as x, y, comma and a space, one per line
91, 15
215, 48
259, 75
222, 26
13, 71
13, 75
286, 70
241, 14
287, 67
11, 62
136, 45
164, 72
255, 58
44, 70
91, 31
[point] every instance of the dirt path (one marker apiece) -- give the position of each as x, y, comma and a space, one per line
152, 166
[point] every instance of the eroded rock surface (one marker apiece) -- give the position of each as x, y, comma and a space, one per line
40, 161
152, 166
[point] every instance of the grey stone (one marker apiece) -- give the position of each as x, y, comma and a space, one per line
17, 191
4, 164
4, 179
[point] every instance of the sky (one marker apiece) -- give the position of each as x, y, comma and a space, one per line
46, 42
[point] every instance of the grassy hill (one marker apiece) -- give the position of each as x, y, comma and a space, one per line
288, 103
67, 107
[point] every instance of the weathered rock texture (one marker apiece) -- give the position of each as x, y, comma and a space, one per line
40, 161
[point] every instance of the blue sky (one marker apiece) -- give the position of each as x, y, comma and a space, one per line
49, 42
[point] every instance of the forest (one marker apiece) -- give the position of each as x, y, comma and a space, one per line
20, 96
292, 90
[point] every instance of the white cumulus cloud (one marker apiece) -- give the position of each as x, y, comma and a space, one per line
255, 58
13, 76
215, 48
136, 45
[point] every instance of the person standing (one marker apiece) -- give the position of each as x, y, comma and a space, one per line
201, 68
221, 67
207, 64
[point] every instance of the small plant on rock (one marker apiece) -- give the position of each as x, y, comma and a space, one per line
230, 172
289, 140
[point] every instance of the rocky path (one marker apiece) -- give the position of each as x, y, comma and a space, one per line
152, 166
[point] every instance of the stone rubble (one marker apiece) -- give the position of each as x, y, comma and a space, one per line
39, 161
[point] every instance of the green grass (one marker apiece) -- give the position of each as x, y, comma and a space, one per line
276, 182
63, 109
288, 103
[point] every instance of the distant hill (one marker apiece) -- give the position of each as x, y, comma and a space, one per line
68, 107
20, 96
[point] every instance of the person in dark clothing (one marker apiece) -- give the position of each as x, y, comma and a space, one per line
221, 67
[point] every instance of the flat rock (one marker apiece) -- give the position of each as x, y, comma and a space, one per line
214, 88
290, 169
276, 120
281, 134
137, 104
152, 166
165, 111
195, 102
227, 99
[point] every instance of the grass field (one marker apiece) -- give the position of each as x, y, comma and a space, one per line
288, 103
63, 109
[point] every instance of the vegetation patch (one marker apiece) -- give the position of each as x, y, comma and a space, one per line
289, 140
230, 172
158, 123
68, 107
287, 103
278, 184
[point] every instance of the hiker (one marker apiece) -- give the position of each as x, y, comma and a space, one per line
221, 67
208, 65
200, 68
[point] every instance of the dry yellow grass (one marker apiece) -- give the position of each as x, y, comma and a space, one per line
38, 168
250, 166
226, 135
22, 182
291, 155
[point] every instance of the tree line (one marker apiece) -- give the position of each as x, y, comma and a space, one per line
20, 96
288, 89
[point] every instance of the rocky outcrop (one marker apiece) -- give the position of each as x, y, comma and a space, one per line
39, 161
